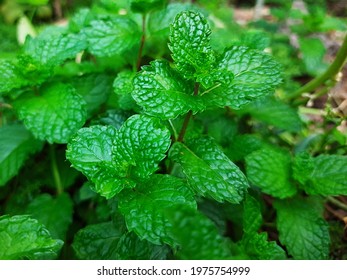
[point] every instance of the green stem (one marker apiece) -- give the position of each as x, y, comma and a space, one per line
55, 170
187, 118
142, 43
337, 203
330, 73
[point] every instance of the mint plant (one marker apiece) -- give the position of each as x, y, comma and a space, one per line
186, 150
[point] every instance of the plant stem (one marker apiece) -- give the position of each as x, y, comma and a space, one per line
142, 43
187, 118
55, 170
337, 203
330, 73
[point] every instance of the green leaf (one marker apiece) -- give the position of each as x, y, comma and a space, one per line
209, 171
144, 207
16, 145
111, 36
24, 238
145, 6
54, 115
252, 219
53, 50
255, 73
313, 52
10, 77
324, 175
54, 213
274, 112
190, 44
113, 159
302, 229
123, 87
196, 235
163, 93
269, 169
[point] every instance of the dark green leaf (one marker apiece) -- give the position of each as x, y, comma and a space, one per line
209, 171
145, 6
24, 238
252, 219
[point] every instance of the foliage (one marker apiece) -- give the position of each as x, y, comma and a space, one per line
143, 129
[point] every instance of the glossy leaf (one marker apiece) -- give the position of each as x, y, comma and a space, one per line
24, 238
16, 145
302, 229
269, 169
54, 115
252, 219
144, 208
209, 171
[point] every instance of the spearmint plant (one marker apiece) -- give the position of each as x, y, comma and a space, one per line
173, 153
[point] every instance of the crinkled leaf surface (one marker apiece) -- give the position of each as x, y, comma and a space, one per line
54, 213
53, 50
269, 169
209, 171
53, 115
196, 235
111, 36
22, 237
123, 88
302, 229
255, 74
10, 77
16, 145
324, 175
163, 93
190, 44
144, 207
252, 219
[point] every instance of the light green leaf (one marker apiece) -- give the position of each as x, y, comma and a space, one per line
324, 175
162, 92
209, 171
269, 169
190, 44
255, 73
144, 208
24, 238
54, 213
16, 144
53, 50
274, 112
196, 235
111, 36
302, 229
123, 87
54, 115
313, 52
10, 77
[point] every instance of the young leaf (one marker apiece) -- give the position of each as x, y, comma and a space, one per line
196, 235
209, 171
144, 208
10, 77
111, 36
269, 169
54, 213
302, 229
163, 93
24, 238
255, 74
54, 115
324, 175
16, 144
190, 44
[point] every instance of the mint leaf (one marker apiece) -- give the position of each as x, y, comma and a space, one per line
144, 207
145, 6
16, 145
53, 50
274, 112
24, 238
123, 87
255, 73
302, 229
196, 235
252, 219
324, 175
163, 93
10, 77
313, 51
111, 35
190, 44
54, 115
269, 169
209, 171
54, 213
